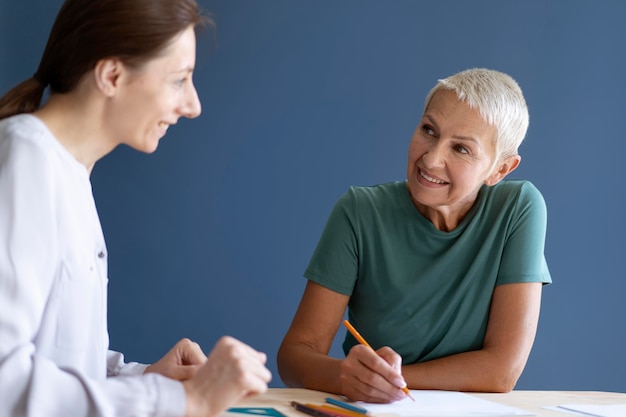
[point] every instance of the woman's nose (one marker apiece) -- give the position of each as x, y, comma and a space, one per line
434, 157
191, 106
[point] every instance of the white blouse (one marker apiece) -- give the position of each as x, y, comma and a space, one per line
54, 357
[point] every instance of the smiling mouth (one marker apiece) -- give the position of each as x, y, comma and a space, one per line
431, 179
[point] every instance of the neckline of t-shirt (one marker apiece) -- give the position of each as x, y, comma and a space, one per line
407, 202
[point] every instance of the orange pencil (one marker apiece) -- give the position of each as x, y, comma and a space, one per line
362, 341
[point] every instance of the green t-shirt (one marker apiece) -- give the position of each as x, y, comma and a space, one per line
424, 292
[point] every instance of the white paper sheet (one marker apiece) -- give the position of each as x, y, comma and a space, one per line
613, 410
445, 404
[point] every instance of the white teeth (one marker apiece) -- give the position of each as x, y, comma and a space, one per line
431, 179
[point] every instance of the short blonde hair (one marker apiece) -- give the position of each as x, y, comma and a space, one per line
499, 100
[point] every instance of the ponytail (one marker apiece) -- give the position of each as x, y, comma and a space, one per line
23, 98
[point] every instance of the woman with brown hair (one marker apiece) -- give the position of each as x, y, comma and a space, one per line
118, 72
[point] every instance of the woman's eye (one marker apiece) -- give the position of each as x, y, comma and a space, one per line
428, 130
461, 149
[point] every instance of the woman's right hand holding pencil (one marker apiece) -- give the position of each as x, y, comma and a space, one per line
375, 374
372, 376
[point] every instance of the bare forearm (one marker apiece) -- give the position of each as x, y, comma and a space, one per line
498, 365
477, 371
300, 366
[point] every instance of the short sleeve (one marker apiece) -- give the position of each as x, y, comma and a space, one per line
523, 258
334, 263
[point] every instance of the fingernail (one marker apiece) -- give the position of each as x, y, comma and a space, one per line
399, 382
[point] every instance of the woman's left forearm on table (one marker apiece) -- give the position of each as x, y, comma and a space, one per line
476, 371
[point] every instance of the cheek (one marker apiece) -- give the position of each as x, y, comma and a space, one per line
410, 160
414, 151
468, 177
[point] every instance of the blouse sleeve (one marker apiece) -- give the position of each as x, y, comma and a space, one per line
31, 384
116, 365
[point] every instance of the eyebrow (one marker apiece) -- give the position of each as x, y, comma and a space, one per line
185, 70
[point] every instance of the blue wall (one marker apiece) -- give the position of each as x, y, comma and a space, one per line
210, 235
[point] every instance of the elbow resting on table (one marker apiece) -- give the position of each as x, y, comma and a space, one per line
500, 369
503, 386
502, 380
285, 369
289, 378
496, 384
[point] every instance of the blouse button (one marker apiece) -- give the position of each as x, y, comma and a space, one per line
101, 254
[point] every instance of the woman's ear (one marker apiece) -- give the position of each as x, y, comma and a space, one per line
503, 168
107, 74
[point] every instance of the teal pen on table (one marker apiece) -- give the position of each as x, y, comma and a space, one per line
347, 406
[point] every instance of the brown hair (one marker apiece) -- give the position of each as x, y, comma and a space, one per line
86, 31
